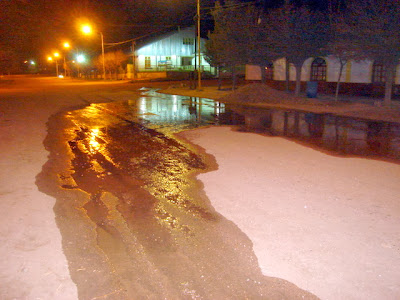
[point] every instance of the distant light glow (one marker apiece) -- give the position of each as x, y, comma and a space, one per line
66, 45
56, 54
32, 62
80, 58
49, 58
60, 76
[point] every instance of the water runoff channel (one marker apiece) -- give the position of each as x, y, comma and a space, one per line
134, 220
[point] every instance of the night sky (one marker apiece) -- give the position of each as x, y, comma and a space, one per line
34, 28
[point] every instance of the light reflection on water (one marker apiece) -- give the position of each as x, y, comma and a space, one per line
115, 143
137, 218
176, 113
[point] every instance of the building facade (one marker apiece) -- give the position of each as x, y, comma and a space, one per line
174, 51
364, 78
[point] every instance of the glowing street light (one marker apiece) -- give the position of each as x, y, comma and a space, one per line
87, 29
66, 45
56, 55
80, 58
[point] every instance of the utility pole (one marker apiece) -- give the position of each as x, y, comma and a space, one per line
198, 47
102, 52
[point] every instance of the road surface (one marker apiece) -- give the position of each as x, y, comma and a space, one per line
118, 213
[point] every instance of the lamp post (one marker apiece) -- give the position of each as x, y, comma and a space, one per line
87, 29
49, 59
80, 59
56, 55
198, 47
66, 46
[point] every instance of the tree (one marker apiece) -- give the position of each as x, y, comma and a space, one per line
227, 46
259, 50
340, 47
372, 27
297, 33
113, 62
214, 54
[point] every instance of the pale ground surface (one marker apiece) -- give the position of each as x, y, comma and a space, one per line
33, 265
330, 225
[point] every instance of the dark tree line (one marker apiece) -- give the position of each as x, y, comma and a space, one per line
361, 29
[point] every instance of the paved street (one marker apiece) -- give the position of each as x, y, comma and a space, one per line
99, 201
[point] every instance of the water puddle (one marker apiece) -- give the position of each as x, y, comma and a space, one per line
335, 134
134, 221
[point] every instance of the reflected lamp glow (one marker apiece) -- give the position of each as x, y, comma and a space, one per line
94, 145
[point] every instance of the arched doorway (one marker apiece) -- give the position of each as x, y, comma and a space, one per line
318, 69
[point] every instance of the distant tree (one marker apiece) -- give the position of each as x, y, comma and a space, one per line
372, 27
259, 49
227, 45
214, 54
113, 62
297, 33
341, 47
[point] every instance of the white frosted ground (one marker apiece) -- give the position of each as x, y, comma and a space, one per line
330, 225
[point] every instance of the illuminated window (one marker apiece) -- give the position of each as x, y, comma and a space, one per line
318, 69
188, 41
147, 62
378, 73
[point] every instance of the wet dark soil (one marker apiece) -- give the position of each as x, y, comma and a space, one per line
135, 222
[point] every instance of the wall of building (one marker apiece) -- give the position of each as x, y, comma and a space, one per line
174, 46
356, 77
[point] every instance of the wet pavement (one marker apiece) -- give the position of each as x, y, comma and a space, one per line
135, 222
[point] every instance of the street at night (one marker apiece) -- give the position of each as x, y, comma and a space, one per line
200, 149
133, 220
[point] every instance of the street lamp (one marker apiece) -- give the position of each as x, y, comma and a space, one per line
87, 29
50, 59
66, 45
80, 59
56, 55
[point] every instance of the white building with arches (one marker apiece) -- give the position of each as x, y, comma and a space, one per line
363, 77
